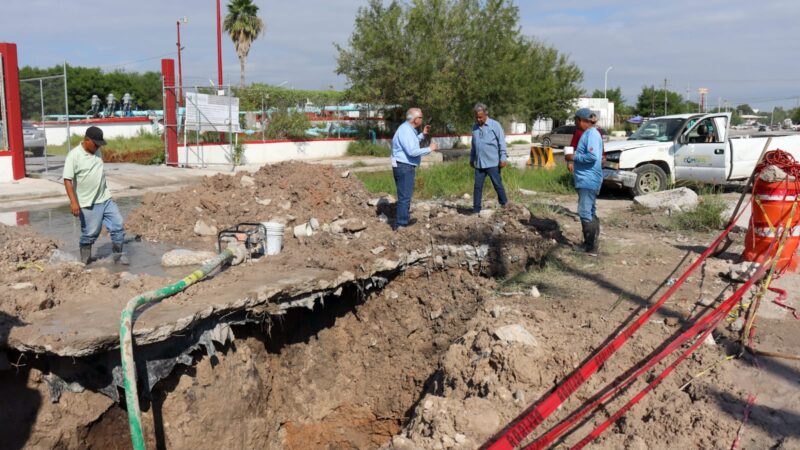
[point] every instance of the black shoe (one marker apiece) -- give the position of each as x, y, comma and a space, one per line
119, 257
86, 253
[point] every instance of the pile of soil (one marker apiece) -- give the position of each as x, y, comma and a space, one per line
281, 191
295, 192
20, 246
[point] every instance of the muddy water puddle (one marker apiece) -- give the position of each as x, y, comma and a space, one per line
58, 223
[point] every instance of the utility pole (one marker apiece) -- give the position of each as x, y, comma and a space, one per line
219, 48
653, 101
665, 96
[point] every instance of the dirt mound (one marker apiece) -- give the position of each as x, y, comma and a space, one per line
19, 245
286, 190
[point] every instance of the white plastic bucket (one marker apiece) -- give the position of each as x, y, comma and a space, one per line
303, 230
274, 237
569, 150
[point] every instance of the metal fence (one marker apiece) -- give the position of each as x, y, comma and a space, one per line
45, 112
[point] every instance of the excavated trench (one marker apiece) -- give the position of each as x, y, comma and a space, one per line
346, 374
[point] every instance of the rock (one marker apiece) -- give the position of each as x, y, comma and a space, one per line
460, 438
348, 226
526, 192
383, 218
519, 396
743, 271
466, 197
681, 199
247, 181
435, 314
402, 443
534, 292
21, 286
709, 341
287, 205
706, 301
378, 250
345, 174
264, 202
737, 324
486, 213
184, 257
58, 257
773, 174
381, 201
201, 228
314, 223
515, 334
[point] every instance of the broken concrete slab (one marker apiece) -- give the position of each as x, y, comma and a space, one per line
203, 228
515, 334
681, 199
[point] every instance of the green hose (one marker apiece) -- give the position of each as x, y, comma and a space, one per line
126, 338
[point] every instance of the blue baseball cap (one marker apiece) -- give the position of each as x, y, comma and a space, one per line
585, 114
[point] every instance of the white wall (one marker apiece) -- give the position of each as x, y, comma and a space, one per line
600, 106
57, 133
263, 152
6, 170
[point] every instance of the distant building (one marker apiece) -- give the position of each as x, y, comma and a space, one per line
603, 108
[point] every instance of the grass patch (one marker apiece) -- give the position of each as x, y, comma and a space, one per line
367, 148
145, 148
456, 178
519, 142
707, 216
61, 149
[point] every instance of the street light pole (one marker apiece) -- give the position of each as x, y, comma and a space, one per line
605, 83
219, 47
180, 66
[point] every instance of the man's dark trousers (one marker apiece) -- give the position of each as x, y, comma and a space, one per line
404, 175
497, 182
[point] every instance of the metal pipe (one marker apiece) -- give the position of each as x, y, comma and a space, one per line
126, 339
66, 107
41, 102
219, 47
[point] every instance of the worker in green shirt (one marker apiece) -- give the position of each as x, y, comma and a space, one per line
89, 197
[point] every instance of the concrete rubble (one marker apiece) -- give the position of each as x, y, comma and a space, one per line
676, 200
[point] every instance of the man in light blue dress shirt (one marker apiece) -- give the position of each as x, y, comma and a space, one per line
488, 155
406, 157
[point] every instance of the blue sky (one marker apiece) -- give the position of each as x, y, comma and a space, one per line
743, 51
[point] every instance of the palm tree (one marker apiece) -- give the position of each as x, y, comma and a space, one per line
243, 25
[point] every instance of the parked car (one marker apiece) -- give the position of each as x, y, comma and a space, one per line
763, 128
562, 136
34, 139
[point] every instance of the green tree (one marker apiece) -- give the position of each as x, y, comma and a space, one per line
243, 25
446, 55
651, 103
744, 109
82, 83
795, 115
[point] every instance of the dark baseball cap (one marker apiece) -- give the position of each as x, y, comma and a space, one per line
96, 135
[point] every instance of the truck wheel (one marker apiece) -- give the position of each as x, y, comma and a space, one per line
547, 143
649, 178
38, 151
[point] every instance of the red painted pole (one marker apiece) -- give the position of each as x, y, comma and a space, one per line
13, 112
219, 48
180, 66
170, 116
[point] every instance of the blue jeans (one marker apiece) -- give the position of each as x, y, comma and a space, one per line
93, 218
404, 175
587, 204
497, 182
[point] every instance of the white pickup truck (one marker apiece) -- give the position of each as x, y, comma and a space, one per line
686, 147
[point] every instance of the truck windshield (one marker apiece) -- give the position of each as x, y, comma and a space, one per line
661, 130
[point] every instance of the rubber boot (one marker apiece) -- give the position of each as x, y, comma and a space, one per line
589, 237
86, 253
119, 257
